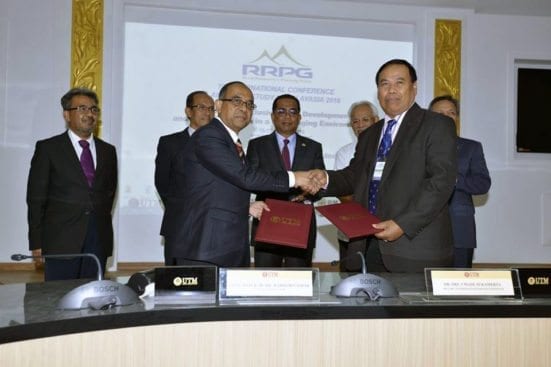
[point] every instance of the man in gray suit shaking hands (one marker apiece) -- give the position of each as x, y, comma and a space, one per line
404, 171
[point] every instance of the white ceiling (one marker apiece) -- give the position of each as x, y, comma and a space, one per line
510, 7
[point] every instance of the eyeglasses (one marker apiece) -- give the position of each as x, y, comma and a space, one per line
203, 108
238, 102
282, 112
83, 109
364, 119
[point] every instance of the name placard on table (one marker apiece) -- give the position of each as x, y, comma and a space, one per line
269, 284
473, 284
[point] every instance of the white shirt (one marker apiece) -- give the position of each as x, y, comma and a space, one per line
78, 149
291, 145
344, 155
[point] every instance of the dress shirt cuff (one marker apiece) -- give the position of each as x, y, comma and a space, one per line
291, 179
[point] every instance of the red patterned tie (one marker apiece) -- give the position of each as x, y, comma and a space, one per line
87, 162
239, 148
285, 155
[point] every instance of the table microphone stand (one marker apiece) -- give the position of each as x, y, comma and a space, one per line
99, 294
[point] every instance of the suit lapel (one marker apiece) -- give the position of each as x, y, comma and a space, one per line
409, 125
298, 155
100, 160
274, 147
375, 134
227, 137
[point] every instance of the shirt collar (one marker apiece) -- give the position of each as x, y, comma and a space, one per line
232, 133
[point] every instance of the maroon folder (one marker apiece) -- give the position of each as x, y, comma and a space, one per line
286, 224
351, 218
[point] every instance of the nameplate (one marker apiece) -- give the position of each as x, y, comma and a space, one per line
268, 283
472, 283
186, 284
535, 282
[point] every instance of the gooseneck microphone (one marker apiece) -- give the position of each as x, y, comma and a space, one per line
359, 253
98, 294
19, 257
363, 285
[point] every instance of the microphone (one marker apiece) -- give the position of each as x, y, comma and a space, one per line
98, 294
19, 257
364, 284
360, 254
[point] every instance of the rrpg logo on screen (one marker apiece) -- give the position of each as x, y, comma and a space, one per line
279, 66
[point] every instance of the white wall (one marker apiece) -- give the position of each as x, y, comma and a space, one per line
34, 73
35, 66
513, 225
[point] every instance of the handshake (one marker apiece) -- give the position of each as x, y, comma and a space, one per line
311, 181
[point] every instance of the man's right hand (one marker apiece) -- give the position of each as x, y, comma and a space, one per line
306, 183
319, 176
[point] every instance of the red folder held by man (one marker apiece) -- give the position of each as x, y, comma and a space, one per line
286, 224
351, 218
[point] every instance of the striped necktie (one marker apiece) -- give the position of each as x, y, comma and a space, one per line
384, 148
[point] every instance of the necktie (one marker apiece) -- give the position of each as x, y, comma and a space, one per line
285, 155
239, 148
384, 147
87, 162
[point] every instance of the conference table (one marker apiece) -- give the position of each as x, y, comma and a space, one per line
407, 330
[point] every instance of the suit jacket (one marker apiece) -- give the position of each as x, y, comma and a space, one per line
263, 152
168, 149
473, 178
415, 187
213, 194
60, 201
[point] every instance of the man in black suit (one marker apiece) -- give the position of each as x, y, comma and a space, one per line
199, 111
70, 192
473, 178
214, 184
284, 149
404, 170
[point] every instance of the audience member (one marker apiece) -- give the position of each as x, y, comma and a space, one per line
362, 115
70, 192
284, 149
473, 178
199, 111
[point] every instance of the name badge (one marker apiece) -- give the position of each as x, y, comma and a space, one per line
378, 173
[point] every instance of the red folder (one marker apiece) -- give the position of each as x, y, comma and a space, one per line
351, 218
286, 224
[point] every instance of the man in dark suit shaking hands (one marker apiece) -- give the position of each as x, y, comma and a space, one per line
199, 111
215, 182
70, 192
284, 149
473, 178
404, 171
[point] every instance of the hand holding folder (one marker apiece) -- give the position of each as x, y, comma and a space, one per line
351, 218
286, 224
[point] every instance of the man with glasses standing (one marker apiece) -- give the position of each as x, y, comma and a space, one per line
70, 192
199, 111
362, 115
216, 182
284, 149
